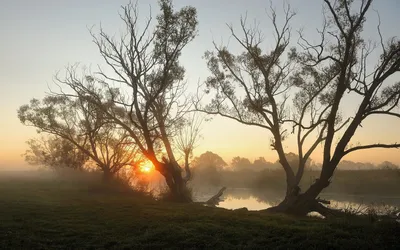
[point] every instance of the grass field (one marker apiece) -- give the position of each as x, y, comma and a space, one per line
47, 213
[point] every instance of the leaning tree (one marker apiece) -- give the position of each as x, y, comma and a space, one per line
257, 88
145, 81
79, 125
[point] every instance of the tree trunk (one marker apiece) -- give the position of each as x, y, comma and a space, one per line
177, 184
179, 192
300, 204
107, 176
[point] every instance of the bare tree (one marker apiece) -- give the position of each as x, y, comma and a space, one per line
145, 84
322, 76
186, 139
76, 121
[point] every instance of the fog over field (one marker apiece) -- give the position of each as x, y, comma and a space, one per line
175, 124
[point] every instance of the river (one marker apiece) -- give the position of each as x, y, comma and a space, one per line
234, 198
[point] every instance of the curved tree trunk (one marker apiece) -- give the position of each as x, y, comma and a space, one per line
179, 191
178, 188
177, 184
300, 204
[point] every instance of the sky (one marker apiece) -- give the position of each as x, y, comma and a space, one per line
41, 37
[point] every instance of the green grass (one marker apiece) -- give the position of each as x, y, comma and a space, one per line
55, 214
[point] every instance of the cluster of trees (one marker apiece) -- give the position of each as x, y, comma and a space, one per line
137, 108
210, 160
243, 164
80, 135
209, 169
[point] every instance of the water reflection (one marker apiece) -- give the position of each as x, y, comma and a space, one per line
257, 200
251, 203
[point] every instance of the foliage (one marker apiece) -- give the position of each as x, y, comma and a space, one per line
55, 153
239, 163
207, 169
85, 128
351, 178
302, 88
373, 182
144, 87
208, 159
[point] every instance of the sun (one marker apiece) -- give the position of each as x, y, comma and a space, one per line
146, 167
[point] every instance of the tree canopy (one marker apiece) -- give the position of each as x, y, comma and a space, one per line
300, 89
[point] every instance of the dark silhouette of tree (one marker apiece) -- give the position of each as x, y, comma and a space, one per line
186, 140
145, 86
84, 127
256, 87
54, 153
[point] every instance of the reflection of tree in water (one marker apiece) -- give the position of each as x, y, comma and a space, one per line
363, 199
260, 196
245, 197
354, 203
261, 181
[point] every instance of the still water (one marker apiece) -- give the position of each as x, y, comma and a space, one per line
235, 198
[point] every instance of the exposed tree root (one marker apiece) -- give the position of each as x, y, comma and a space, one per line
328, 212
300, 206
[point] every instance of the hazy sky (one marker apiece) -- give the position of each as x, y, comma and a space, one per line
43, 36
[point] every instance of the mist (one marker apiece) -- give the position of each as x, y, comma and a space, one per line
354, 182
121, 99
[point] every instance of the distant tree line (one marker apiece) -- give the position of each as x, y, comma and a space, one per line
209, 169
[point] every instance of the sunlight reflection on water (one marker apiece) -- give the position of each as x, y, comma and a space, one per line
251, 203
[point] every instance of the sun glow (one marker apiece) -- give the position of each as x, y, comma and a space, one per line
146, 167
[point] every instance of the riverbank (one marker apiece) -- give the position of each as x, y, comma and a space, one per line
378, 182
49, 213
